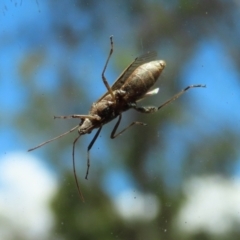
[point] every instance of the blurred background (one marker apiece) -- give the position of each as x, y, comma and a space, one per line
176, 178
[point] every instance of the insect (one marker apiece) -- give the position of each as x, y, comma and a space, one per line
132, 85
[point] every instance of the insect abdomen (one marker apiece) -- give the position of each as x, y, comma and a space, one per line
142, 79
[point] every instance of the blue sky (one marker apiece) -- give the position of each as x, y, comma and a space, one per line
209, 65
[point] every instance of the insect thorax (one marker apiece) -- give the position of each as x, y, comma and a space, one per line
108, 109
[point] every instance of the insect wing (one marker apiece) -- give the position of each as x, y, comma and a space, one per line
149, 93
132, 67
147, 57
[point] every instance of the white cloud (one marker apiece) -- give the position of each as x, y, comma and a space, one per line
212, 205
133, 205
26, 186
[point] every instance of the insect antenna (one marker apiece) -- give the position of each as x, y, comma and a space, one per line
74, 170
48, 141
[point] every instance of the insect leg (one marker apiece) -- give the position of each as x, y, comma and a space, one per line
74, 169
152, 109
89, 148
117, 124
104, 69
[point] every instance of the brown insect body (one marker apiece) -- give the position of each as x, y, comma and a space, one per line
134, 89
142, 79
133, 85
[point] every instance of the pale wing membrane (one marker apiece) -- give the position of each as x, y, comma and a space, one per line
149, 93
147, 57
